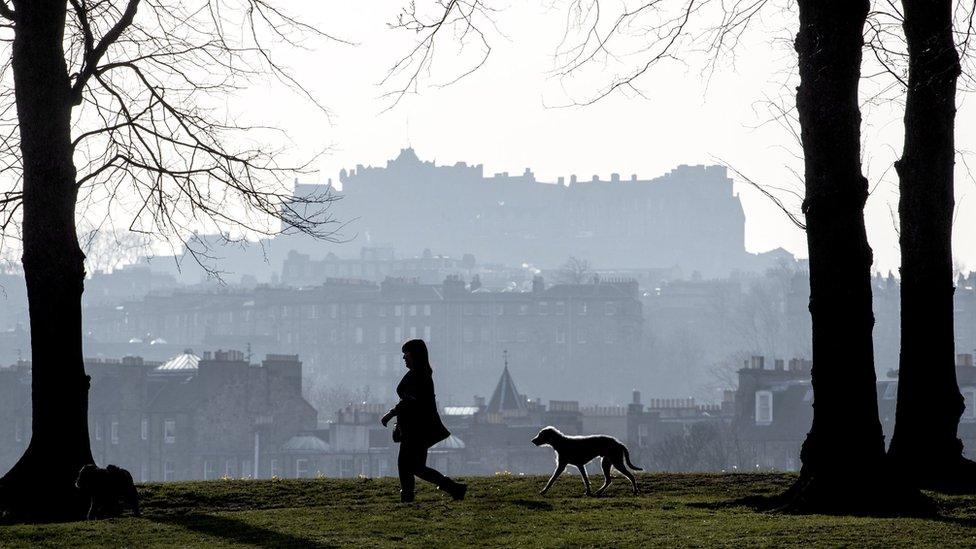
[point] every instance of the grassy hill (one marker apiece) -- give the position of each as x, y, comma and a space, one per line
673, 510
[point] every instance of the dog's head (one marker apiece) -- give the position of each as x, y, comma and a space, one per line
546, 436
87, 477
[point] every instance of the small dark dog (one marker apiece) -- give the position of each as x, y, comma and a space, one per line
109, 489
580, 450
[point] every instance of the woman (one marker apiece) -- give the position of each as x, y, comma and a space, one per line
418, 424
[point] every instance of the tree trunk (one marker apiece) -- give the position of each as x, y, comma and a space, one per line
843, 454
925, 447
40, 487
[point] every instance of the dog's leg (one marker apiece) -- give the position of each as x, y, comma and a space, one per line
619, 464
607, 479
586, 479
560, 467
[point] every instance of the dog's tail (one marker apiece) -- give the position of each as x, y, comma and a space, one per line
629, 464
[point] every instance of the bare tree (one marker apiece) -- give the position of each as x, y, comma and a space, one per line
114, 112
925, 445
575, 271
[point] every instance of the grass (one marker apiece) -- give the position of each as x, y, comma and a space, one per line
673, 510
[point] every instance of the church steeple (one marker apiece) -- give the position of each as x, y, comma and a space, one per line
506, 398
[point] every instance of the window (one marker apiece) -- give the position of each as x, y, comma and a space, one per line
333, 310
608, 337
301, 468
521, 335
468, 309
382, 334
413, 310
610, 308
398, 310
427, 333
114, 432
144, 429
468, 334
560, 307
169, 431
169, 471
969, 396
543, 308
485, 334
413, 332
642, 435
398, 334
381, 311
383, 363
499, 309
523, 309
333, 335
98, 430
426, 310
560, 334
764, 407
359, 311
208, 470
359, 334
581, 335
274, 468
581, 309
468, 361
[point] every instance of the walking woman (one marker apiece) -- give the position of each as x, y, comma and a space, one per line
418, 425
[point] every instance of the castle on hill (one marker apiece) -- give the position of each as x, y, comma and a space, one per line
689, 218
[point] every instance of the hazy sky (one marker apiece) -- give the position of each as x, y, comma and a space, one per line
503, 116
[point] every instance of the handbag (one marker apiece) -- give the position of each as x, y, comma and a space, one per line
397, 433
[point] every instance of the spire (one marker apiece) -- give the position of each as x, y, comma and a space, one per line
506, 398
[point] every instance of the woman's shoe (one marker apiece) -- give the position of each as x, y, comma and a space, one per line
406, 497
457, 490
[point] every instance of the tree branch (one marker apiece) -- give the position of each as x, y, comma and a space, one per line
93, 55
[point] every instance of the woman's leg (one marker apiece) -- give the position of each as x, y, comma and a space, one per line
406, 465
426, 473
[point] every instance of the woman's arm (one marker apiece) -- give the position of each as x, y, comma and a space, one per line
388, 416
407, 391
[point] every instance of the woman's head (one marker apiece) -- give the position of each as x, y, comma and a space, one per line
415, 354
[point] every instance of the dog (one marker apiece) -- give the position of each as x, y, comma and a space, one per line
108, 490
580, 450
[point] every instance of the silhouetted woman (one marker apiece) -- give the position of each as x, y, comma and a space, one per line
418, 424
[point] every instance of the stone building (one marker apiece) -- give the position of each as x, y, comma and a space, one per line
349, 331
187, 418
774, 409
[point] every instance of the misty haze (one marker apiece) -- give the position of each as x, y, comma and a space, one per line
350, 275
627, 306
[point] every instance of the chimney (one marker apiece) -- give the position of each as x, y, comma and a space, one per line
757, 362
615, 178
561, 181
479, 401
538, 284
636, 397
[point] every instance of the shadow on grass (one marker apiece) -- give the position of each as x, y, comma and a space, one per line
532, 504
237, 531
